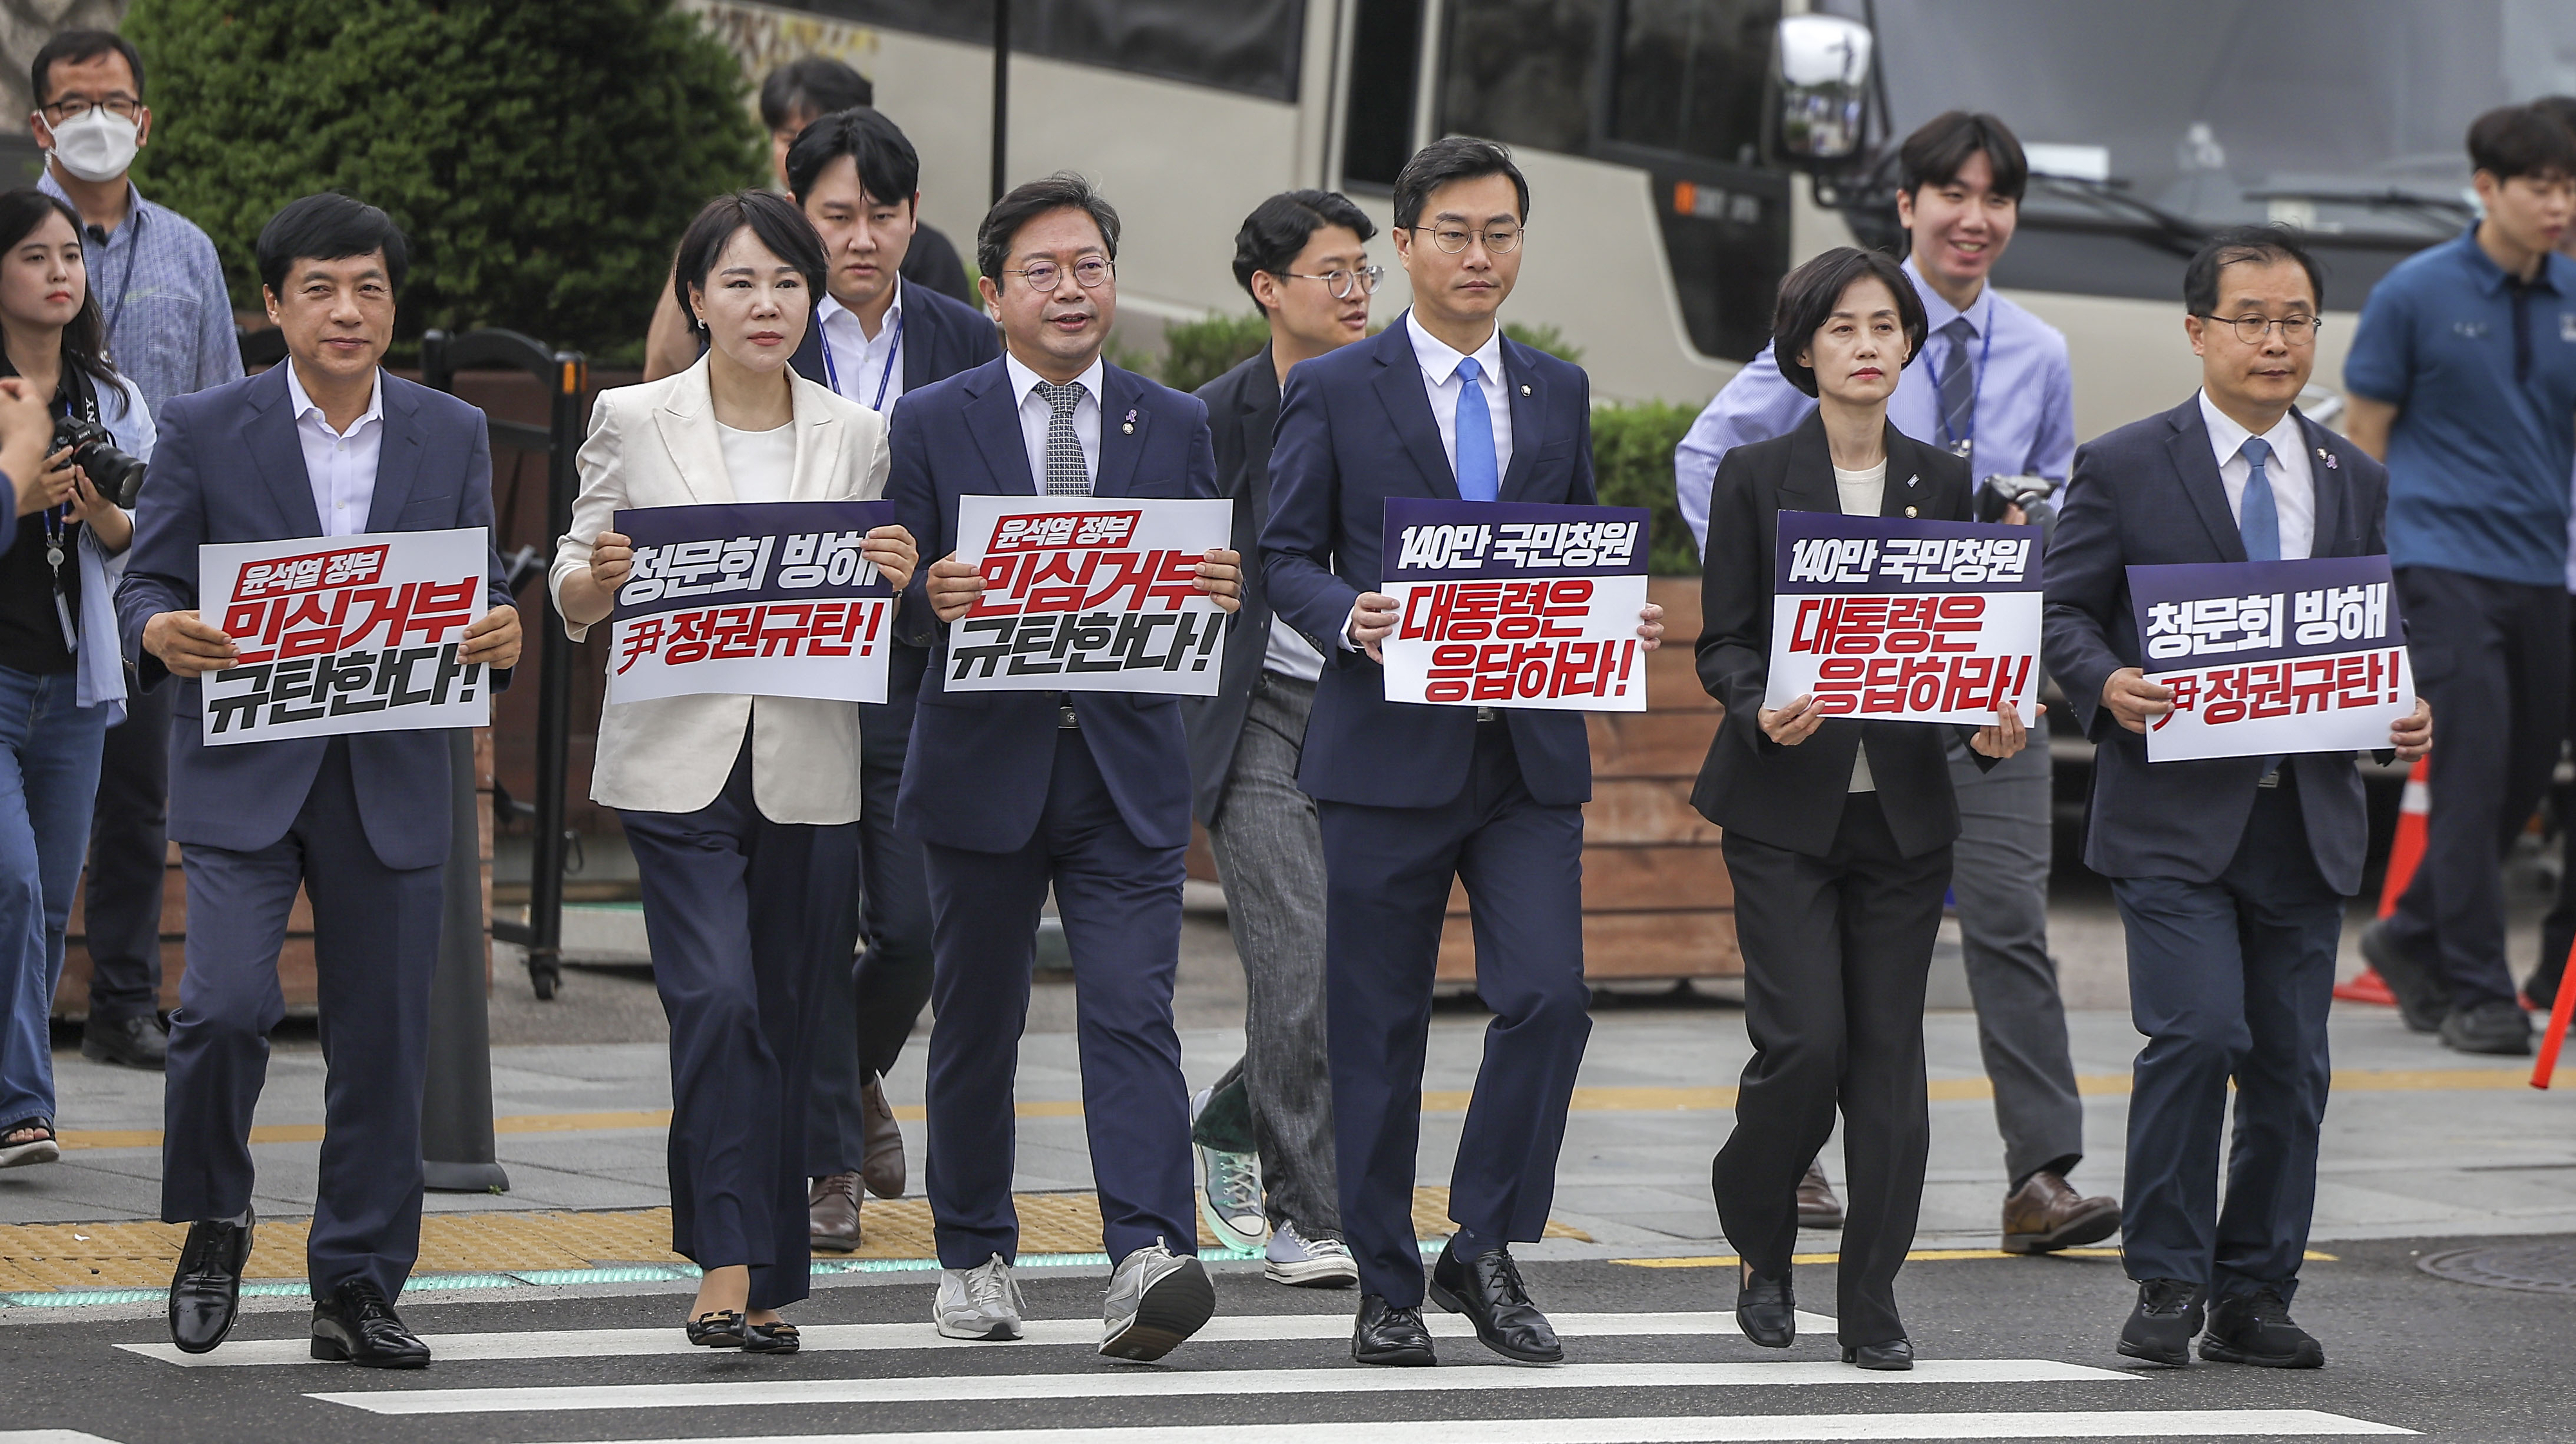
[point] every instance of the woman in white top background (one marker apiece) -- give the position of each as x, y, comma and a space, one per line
742, 811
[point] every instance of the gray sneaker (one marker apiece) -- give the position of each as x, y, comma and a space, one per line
978, 1303
1309, 1263
1230, 1190
1157, 1298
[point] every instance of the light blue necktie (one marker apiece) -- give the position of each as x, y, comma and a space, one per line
2258, 517
1479, 477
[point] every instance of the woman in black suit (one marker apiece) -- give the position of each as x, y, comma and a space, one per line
1837, 832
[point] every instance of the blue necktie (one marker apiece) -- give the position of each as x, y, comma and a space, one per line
1479, 477
2258, 518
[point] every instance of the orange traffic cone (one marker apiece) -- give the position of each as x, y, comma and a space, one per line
2404, 853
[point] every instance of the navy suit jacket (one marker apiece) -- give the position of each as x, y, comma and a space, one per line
2149, 494
1354, 429
228, 468
1243, 406
980, 764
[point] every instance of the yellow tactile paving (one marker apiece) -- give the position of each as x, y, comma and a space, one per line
37, 1257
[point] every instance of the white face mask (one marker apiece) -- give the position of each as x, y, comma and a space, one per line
97, 146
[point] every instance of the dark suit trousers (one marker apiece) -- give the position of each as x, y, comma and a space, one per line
2229, 979
741, 913
1121, 905
129, 860
1836, 950
1387, 875
375, 943
2492, 659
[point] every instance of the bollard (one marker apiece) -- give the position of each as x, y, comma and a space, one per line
456, 1150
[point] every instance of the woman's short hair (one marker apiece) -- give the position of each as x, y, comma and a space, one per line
774, 219
21, 211
1811, 292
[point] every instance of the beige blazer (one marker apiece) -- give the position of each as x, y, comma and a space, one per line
656, 445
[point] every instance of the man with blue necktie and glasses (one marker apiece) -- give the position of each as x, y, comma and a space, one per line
2231, 873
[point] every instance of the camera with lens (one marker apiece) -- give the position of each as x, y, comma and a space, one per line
96, 453
2001, 493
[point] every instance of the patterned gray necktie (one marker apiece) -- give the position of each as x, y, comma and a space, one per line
1066, 475
1958, 383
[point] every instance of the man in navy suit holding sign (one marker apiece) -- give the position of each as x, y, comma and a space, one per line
2231, 872
1440, 405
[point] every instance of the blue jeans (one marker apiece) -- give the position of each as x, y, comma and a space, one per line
49, 751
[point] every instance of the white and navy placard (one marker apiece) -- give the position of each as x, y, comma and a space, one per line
345, 634
1887, 619
1513, 604
769, 599
2270, 658
1092, 594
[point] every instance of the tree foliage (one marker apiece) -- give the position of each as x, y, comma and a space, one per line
541, 158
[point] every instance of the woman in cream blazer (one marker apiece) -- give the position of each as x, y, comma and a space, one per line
742, 811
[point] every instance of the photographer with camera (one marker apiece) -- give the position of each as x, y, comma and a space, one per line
62, 678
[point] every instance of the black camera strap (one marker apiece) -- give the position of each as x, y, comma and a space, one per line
79, 399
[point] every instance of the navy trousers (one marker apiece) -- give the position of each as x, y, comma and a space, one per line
375, 944
742, 913
2229, 979
1121, 905
1387, 877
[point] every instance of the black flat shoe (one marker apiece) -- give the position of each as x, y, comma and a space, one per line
777, 1338
1767, 1311
1895, 1356
206, 1292
1391, 1336
357, 1324
2161, 1327
722, 1329
2257, 1329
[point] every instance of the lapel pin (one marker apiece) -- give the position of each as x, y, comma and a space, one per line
1909, 511
1525, 388
2329, 458
1128, 427
1912, 480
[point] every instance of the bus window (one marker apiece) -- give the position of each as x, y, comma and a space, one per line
1250, 46
1692, 74
1386, 59
1520, 71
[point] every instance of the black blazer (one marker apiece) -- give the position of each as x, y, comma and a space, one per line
1792, 797
932, 263
1243, 406
941, 337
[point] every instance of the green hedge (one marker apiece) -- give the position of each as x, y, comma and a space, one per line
1632, 465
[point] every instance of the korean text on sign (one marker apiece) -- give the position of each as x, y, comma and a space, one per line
1897, 620
1505, 604
345, 634
1095, 595
768, 599
2271, 658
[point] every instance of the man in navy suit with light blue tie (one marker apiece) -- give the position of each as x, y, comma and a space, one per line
1440, 405
1087, 791
2231, 873
326, 444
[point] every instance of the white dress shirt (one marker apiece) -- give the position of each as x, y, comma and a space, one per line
1441, 382
860, 364
339, 465
1863, 493
2294, 487
1035, 413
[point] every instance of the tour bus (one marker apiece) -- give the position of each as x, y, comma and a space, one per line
1683, 154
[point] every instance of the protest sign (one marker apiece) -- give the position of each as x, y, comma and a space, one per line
2269, 658
1510, 604
1892, 620
763, 599
345, 634
1088, 594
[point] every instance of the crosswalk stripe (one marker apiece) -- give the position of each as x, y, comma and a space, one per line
820, 1338
1179, 1383
1705, 1429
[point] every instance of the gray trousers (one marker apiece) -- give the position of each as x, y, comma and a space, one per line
1999, 875
1270, 856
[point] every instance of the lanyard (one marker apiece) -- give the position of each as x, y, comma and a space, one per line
57, 527
894, 350
133, 244
1965, 445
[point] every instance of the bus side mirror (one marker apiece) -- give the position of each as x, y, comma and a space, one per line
1824, 89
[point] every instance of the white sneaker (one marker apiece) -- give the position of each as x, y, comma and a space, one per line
1308, 1263
978, 1303
1157, 1298
1230, 1190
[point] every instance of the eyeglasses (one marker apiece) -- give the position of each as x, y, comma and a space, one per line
1500, 241
1091, 273
73, 107
1343, 283
2295, 330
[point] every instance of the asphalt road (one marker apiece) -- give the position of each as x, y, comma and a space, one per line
2017, 1348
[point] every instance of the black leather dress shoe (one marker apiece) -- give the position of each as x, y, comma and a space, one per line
1488, 1290
206, 1291
1767, 1311
2161, 1327
136, 1042
1392, 1336
2256, 1329
357, 1324
2496, 1026
1894, 1357
2423, 993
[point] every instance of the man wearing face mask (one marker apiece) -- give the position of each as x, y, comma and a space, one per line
169, 321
